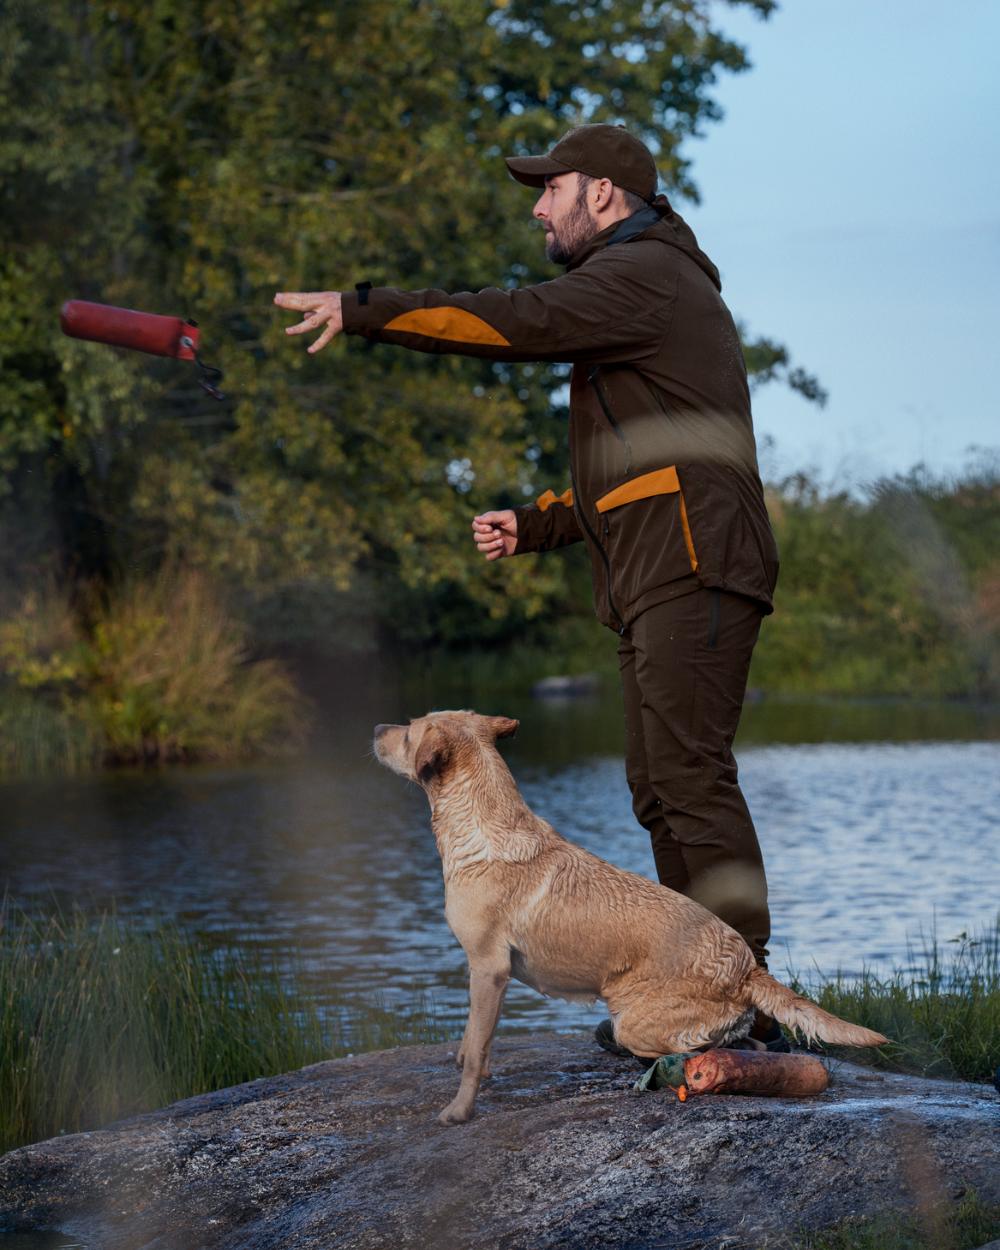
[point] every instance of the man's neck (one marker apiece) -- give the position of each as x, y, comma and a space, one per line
605, 217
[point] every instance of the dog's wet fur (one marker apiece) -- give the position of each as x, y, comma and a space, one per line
526, 903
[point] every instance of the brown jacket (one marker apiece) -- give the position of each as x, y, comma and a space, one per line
665, 487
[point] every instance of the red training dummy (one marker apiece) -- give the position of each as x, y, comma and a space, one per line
122, 327
141, 332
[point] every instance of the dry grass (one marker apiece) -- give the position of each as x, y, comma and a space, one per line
171, 677
160, 672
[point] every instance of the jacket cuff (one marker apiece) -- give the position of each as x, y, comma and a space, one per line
546, 528
532, 529
359, 312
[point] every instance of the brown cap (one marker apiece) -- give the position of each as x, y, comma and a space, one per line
599, 150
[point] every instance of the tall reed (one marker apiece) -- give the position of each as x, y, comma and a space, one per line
941, 1010
101, 1018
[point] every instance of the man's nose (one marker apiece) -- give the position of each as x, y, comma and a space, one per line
538, 211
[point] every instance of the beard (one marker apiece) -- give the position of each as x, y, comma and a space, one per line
577, 227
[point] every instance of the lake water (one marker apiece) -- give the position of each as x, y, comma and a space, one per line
878, 822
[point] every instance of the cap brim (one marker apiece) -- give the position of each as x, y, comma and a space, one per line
533, 170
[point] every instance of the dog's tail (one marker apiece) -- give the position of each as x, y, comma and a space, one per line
796, 1012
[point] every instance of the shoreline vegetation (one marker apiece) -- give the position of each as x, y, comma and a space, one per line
158, 672
103, 1017
894, 594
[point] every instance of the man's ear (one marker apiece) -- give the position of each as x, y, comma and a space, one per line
503, 726
432, 754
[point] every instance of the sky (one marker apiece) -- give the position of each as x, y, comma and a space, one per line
851, 199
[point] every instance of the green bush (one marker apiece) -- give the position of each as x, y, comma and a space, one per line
160, 671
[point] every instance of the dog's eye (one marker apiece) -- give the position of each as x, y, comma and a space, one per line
406, 739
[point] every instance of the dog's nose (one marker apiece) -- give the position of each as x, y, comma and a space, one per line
380, 730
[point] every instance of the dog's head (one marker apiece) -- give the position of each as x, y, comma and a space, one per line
426, 748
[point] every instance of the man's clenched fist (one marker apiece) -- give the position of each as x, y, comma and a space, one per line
495, 533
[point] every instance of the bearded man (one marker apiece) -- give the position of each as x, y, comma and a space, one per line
665, 491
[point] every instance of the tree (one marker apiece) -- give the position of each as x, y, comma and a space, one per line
194, 159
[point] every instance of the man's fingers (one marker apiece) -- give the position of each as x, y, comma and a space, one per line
485, 538
300, 300
492, 520
323, 339
312, 322
492, 551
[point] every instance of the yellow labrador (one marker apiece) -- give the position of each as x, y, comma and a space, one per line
526, 903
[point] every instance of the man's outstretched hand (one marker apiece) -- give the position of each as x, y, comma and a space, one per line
495, 533
322, 308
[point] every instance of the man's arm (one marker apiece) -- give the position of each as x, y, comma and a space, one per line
532, 527
544, 525
548, 523
614, 308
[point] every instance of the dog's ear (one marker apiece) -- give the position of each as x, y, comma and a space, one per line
432, 755
503, 726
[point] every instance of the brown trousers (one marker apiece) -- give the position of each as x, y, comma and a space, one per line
684, 668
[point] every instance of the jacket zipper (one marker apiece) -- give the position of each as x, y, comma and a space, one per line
599, 545
602, 399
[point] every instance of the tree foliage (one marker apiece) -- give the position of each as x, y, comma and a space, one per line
892, 591
193, 159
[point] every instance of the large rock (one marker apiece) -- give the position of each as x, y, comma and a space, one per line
561, 1153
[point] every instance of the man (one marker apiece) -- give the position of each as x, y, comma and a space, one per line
665, 490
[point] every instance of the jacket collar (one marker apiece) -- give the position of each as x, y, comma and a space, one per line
635, 225
655, 221
621, 231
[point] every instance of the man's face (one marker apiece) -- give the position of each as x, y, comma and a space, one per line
563, 211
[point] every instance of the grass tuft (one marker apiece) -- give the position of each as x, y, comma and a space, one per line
942, 1011
170, 677
102, 1018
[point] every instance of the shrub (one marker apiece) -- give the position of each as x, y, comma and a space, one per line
160, 671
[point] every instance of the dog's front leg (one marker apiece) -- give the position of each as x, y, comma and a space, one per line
487, 985
460, 1057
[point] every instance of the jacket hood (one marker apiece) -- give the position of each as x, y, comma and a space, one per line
657, 221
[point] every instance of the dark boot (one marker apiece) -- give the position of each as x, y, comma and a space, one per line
604, 1036
767, 1030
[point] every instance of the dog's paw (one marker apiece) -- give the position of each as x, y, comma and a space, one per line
455, 1113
